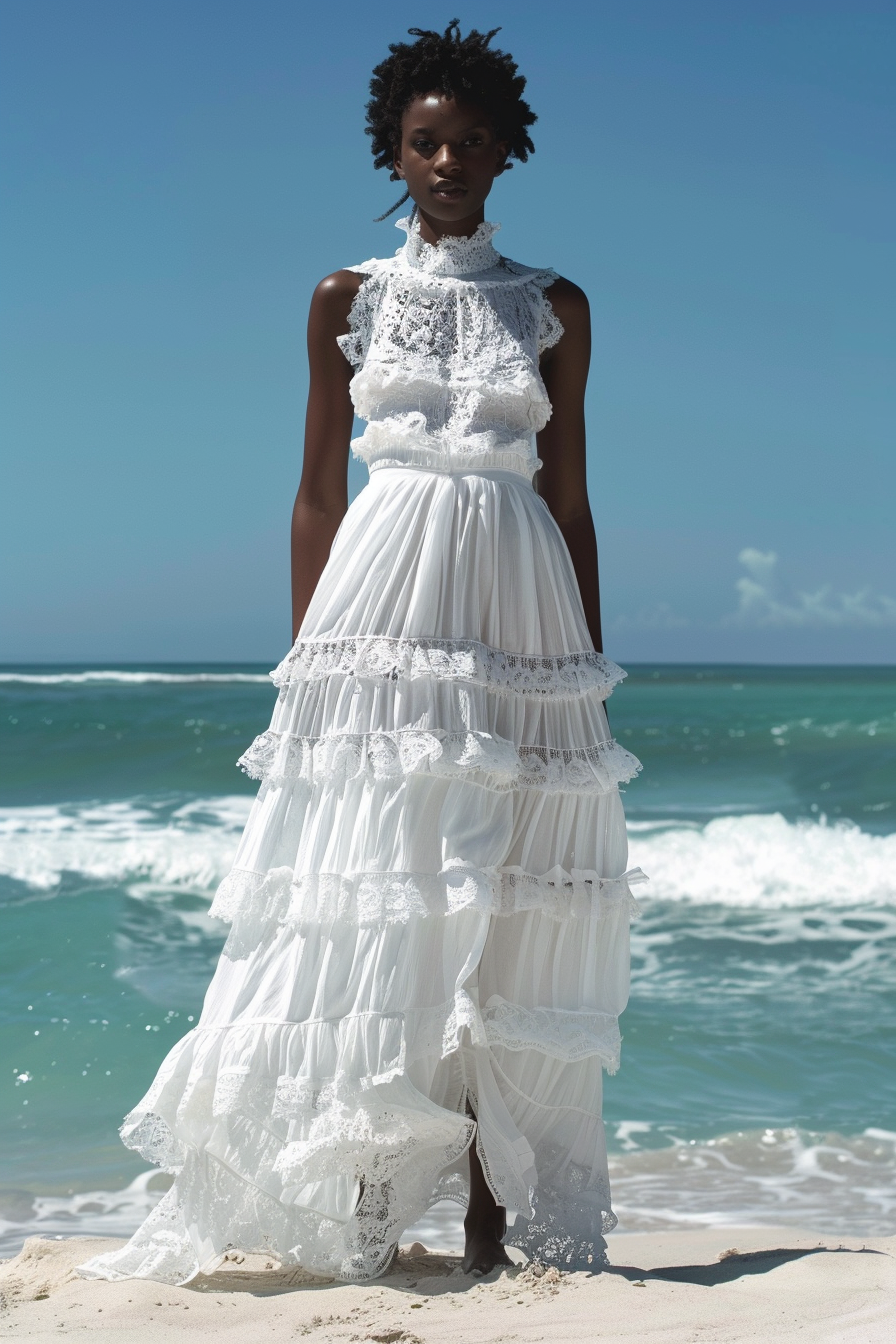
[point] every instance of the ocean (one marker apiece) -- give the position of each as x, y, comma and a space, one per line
758, 1078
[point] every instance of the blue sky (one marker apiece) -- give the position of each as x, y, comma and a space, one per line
178, 174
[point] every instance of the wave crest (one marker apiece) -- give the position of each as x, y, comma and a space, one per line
765, 862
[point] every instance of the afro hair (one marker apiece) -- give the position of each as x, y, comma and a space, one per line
465, 68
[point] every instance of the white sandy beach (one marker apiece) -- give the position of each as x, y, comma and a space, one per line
730, 1285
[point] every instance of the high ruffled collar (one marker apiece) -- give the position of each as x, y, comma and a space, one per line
452, 255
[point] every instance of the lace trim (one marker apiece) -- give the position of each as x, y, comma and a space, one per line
505, 274
362, 315
372, 1141
399, 1153
160, 1250
386, 287
566, 1230
451, 256
371, 899
252, 1184
562, 675
227, 1212
562, 1034
492, 762
550, 328
152, 1138
571, 1214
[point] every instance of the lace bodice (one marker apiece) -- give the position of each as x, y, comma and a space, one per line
445, 342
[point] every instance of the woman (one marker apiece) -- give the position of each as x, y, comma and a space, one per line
429, 944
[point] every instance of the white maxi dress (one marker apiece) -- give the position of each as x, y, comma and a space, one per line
429, 906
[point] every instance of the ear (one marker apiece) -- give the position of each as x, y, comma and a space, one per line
504, 165
396, 163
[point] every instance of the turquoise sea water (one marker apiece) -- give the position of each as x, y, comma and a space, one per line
758, 1080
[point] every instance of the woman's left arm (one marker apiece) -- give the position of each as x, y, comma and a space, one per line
561, 482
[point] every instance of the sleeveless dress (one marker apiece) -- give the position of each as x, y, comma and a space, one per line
429, 906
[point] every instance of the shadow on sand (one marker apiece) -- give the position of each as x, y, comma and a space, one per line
732, 1266
434, 1273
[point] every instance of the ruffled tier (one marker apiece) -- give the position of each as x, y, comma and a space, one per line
439, 755
258, 900
423, 846
342, 725
212, 1208
323, 1061
479, 758
272, 1112
464, 662
290, 1071
283, 1141
332, 984
404, 440
246, 1187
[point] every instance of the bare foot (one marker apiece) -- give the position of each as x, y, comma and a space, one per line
483, 1249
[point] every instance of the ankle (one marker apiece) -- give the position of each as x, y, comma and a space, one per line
491, 1219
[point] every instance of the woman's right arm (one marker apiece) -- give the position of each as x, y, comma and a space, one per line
323, 490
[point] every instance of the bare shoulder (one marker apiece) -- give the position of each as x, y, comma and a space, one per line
333, 296
572, 353
569, 302
331, 303
341, 284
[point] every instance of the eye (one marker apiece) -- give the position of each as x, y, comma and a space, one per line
422, 144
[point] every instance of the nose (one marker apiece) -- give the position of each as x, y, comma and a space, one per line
445, 160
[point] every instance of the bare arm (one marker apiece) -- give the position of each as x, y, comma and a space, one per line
323, 490
561, 482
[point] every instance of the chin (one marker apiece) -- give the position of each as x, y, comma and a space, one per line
453, 210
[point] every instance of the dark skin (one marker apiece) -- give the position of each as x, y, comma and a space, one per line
449, 159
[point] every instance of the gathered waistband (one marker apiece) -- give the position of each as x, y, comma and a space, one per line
504, 474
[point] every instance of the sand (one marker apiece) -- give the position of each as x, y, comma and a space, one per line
732, 1285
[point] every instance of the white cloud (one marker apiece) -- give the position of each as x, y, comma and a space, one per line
760, 603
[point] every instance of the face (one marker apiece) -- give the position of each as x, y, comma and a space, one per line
449, 158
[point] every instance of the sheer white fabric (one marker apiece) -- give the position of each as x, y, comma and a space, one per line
445, 341
429, 906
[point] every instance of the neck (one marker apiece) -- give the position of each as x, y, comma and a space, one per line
451, 254
432, 229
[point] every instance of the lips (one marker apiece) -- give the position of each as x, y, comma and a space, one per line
449, 191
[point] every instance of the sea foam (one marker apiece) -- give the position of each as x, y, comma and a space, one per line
754, 861
765, 862
770, 1177
190, 846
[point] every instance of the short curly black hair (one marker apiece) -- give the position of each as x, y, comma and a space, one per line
460, 67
